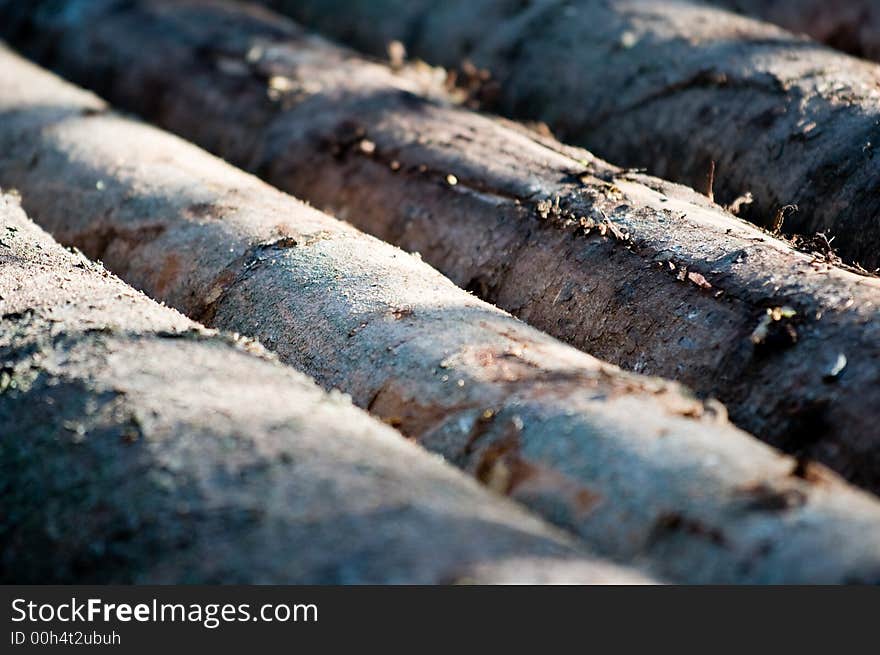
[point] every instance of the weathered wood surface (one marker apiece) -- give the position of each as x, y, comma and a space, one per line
660, 282
136, 446
667, 85
633, 465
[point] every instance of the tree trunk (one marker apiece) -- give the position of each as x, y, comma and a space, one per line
852, 26
678, 88
633, 270
633, 465
140, 447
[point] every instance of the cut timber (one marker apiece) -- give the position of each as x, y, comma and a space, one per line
672, 86
136, 446
633, 465
852, 26
635, 271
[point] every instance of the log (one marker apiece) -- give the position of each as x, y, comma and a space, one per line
852, 26
138, 446
644, 274
678, 88
638, 469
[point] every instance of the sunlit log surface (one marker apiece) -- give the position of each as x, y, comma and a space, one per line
136, 446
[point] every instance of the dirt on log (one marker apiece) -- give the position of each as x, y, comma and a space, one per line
647, 275
636, 467
676, 87
852, 26
136, 446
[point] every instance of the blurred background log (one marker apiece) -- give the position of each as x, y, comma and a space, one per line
852, 26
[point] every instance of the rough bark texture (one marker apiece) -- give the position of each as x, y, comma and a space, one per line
633, 465
136, 446
667, 85
852, 26
662, 283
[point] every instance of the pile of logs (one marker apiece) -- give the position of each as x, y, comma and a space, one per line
651, 383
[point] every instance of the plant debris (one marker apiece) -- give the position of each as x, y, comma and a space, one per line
775, 328
779, 217
699, 280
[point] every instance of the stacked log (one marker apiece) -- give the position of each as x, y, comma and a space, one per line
137, 446
634, 466
639, 272
689, 91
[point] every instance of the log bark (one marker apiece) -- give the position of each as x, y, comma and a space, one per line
139, 447
852, 26
672, 86
633, 465
642, 273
